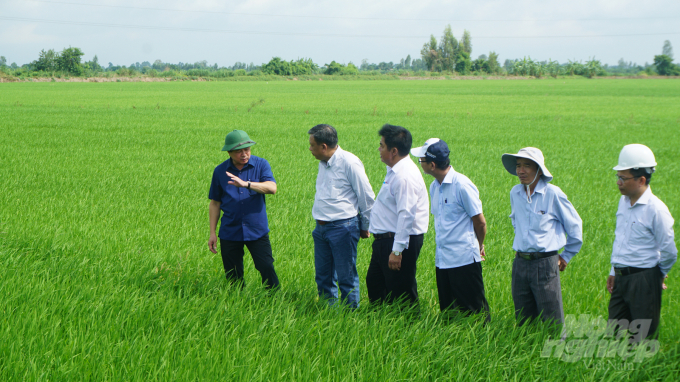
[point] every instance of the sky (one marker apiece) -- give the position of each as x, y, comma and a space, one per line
253, 31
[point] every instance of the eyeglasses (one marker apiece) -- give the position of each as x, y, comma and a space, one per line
622, 179
420, 160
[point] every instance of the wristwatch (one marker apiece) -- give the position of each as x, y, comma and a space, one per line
396, 253
249, 185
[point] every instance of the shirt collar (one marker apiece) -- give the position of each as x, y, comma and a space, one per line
399, 166
540, 187
333, 159
644, 198
449, 176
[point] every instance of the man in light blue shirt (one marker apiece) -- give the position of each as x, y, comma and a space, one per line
545, 222
644, 248
460, 230
342, 210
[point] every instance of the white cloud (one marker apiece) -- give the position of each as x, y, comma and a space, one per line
329, 29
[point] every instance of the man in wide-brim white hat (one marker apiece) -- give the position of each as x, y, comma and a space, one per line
644, 248
545, 222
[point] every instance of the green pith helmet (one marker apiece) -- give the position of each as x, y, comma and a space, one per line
236, 140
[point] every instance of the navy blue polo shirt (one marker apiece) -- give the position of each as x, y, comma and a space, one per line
244, 213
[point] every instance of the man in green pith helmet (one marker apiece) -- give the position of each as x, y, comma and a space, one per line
238, 189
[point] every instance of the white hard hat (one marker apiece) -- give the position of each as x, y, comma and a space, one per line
636, 156
532, 153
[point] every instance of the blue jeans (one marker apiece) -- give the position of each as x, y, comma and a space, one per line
335, 260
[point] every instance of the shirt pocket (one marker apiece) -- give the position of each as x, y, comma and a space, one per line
452, 211
639, 233
335, 188
541, 222
385, 196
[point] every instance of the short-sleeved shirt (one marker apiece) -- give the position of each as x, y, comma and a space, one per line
454, 203
244, 215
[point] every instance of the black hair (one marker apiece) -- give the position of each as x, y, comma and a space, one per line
641, 172
397, 136
324, 134
440, 165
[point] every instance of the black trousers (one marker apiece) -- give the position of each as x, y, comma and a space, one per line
386, 285
638, 297
260, 250
462, 288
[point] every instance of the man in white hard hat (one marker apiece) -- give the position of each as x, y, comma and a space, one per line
460, 230
545, 222
644, 248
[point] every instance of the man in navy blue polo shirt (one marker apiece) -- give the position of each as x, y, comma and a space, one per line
238, 188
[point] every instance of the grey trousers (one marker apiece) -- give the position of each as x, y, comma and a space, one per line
536, 289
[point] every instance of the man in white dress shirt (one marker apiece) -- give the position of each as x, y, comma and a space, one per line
644, 248
398, 221
460, 230
545, 222
342, 210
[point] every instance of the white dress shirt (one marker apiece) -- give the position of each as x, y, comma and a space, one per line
454, 202
401, 206
540, 226
343, 189
644, 234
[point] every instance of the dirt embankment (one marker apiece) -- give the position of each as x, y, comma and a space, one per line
199, 79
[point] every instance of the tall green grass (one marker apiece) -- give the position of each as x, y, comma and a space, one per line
105, 272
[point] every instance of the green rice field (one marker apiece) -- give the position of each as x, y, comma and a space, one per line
105, 272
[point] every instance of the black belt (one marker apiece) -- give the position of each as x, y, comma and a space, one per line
535, 255
625, 271
385, 235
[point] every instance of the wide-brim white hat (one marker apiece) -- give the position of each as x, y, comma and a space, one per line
532, 153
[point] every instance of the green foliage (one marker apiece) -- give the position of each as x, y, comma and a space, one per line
665, 66
69, 61
463, 63
48, 61
448, 45
430, 55
292, 68
93, 66
466, 43
335, 68
492, 65
3, 61
667, 49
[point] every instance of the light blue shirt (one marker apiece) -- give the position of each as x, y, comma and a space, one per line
549, 223
454, 202
644, 234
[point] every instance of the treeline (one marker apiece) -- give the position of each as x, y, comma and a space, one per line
448, 56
